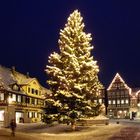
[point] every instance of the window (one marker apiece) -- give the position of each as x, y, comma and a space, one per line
23, 99
27, 99
114, 102
14, 97
95, 101
118, 101
32, 91
126, 93
30, 114
1, 96
19, 98
15, 87
100, 101
122, 101
35, 114
29, 90
126, 101
122, 93
109, 102
35, 101
36, 91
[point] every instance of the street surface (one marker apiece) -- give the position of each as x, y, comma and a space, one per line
125, 130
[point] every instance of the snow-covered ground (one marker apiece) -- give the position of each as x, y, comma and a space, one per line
63, 132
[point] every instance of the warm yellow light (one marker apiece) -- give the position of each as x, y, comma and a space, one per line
120, 111
118, 76
10, 100
125, 111
138, 104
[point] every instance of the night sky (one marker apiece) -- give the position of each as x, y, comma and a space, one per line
29, 32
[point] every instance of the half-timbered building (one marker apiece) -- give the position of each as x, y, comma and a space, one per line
123, 101
21, 97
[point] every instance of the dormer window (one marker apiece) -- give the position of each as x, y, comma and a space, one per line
16, 88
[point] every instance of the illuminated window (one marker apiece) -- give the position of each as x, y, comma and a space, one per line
35, 101
122, 101
118, 101
1, 96
15, 87
35, 114
109, 102
14, 97
126, 101
100, 101
114, 101
19, 98
1, 115
30, 114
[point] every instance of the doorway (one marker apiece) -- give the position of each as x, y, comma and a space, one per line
19, 115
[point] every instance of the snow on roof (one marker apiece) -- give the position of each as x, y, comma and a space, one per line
6, 77
21, 78
10, 76
118, 78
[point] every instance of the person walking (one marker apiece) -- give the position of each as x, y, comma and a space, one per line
13, 127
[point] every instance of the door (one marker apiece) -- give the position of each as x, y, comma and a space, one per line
19, 115
1, 117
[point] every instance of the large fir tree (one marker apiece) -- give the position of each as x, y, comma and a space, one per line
73, 74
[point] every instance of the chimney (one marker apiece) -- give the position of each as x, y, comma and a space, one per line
27, 75
13, 69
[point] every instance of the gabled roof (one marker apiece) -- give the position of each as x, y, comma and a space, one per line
21, 78
116, 78
11, 76
135, 91
6, 77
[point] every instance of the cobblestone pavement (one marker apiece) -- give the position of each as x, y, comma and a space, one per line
127, 133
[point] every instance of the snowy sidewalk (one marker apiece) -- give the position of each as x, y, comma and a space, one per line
128, 133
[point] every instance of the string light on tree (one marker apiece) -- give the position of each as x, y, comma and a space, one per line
74, 73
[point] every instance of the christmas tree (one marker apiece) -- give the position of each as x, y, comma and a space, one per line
73, 74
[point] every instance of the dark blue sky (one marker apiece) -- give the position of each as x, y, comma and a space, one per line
29, 31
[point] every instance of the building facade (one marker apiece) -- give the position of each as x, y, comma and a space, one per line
21, 97
123, 101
